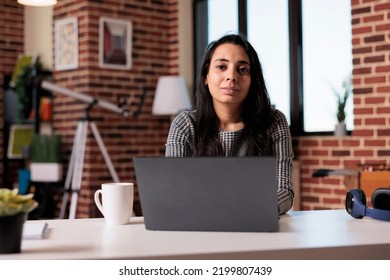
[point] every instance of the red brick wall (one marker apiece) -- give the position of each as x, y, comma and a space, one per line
11, 45
370, 140
154, 54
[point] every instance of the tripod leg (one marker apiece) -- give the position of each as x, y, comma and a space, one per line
104, 152
78, 168
69, 173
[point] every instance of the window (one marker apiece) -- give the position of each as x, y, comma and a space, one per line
327, 61
222, 18
268, 33
304, 47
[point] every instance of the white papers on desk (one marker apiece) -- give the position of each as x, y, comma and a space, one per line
36, 230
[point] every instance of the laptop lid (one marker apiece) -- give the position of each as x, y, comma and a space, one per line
208, 193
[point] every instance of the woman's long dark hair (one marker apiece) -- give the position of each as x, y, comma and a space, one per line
256, 109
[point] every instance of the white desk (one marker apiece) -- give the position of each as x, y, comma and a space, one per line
322, 234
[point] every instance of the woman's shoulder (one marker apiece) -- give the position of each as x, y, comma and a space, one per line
278, 121
278, 115
184, 118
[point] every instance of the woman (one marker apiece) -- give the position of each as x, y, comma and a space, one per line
233, 114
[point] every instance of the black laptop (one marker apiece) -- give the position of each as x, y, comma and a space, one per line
208, 193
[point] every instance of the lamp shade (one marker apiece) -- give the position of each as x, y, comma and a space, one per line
171, 96
40, 3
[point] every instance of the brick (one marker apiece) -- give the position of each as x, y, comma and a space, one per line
363, 153
363, 111
383, 89
374, 39
362, 70
330, 143
331, 162
384, 132
331, 180
382, 7
332, 201
384, 47
362, 30
375, 121
309, 143
356, 41
375, 100
382, 27
373, 18
362, 50
310, 198
384, 153
322, 190
350, 143
375, 80
351, 163
310, 162
374, 143
365, 90
374, 59
341, 153
382, 68
320, 153
383, 110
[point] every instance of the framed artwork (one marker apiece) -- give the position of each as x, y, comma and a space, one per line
115, 43
20, 137
66, 44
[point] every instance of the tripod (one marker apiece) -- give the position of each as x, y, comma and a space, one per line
75, 169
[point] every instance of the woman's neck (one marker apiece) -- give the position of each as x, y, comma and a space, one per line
229, 118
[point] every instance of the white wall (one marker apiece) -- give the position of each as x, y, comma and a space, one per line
186, 68
38, 30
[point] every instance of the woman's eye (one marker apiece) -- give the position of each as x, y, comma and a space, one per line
243, 70
221, 67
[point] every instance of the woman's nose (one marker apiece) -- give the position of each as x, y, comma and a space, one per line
231, 76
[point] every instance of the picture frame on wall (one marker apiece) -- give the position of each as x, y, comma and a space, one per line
66, 44
115, 43
20, 138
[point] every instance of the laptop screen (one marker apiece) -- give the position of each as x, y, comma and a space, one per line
207, 193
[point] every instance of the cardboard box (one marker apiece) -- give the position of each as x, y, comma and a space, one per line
371, 180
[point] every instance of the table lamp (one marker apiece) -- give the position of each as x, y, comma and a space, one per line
171, 96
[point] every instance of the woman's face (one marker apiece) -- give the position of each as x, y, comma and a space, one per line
229, 76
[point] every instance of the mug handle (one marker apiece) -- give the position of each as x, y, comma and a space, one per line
97, 201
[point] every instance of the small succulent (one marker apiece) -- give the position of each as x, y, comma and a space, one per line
12, 203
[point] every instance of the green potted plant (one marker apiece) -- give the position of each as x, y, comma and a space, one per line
342, 98
46, 158
14, 209
23, 84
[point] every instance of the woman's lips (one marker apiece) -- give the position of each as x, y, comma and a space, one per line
230, 90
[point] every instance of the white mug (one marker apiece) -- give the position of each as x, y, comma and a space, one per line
117, 202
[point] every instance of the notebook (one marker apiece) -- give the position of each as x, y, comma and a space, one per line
208, 193
35, 230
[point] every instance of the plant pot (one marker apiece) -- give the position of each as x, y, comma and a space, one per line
11, 231
340, 129
46, 172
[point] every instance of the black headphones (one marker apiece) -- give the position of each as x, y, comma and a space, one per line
355, 204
